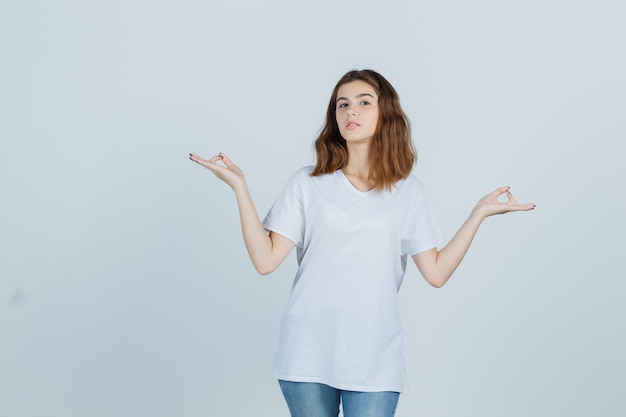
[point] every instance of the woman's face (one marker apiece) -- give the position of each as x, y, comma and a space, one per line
357, 111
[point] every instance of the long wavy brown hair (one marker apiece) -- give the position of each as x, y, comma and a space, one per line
392, 155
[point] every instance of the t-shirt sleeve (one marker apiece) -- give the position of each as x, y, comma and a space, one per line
286, 216
423, 232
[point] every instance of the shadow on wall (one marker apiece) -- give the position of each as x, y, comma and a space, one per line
10, 297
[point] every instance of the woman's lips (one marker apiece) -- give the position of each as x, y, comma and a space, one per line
352, 125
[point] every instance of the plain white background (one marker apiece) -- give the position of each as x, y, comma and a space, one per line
125, 289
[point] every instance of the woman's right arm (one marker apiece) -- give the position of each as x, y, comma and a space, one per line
266, 251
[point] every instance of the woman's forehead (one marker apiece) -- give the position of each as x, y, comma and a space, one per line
355, 89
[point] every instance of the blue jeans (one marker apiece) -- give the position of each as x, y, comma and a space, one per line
309, 399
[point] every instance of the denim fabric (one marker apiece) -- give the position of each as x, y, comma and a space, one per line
309, 399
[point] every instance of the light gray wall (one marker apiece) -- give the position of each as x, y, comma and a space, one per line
125, 289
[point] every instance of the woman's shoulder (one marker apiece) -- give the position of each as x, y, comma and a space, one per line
301, 174
305, 171
411, 182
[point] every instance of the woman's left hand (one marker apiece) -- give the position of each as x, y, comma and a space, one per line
490, 205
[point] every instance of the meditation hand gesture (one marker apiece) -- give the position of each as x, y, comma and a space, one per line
490, 205
230, 173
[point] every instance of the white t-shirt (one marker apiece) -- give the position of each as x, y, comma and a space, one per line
341, 326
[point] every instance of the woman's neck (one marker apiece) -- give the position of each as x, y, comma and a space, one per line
357, 170
358, 160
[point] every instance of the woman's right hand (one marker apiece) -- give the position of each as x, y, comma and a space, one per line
230, 173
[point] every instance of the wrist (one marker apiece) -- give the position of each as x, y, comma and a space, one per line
240, 187
478, 214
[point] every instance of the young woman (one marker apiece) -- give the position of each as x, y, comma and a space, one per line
354, 218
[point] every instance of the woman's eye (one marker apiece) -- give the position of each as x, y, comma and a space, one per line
341, 105
365, 103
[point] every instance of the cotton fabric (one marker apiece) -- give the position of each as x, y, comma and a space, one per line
341, 326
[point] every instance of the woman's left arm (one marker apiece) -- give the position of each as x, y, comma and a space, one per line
437, 266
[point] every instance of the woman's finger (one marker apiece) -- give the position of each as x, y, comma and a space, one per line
502, 190
196, 158
215, 158
527, 206
226, 160
510, 198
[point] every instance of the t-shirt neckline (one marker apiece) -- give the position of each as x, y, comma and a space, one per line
351, 186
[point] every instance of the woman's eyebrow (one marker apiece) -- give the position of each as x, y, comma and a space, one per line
358, 96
